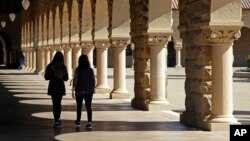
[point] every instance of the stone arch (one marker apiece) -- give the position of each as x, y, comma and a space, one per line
23, 35
28, 33
31, 32
40, 29
65, 24
242, 48
86, 21
75, 28
8, 58
101, 19
57, 27
50, 28
46, 28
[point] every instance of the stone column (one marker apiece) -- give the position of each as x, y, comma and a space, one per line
76, 53
47, 57
102, 64
159, 30
27, 67
52, 53
34, 59
30, 59
26, 59
224, 28
178, 47
39, 60
158, 100
100, 34
222, 79
68, 60
87, 49
120, 25
132, 48
60, 48
119, 61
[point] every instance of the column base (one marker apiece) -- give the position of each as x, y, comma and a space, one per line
118, 94
102, 90
139, 103
158, 106
178, 66
220, 123
28, 69
32, 70
39, 72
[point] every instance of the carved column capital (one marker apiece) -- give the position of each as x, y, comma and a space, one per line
58, 47
222, 36
66, 47
75, 45
120, 42
87, 44
102, 43
158, 39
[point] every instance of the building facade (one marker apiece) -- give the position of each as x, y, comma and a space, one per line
207, 31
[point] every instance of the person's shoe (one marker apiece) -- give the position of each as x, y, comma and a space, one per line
57, 124
89, 125
77, 123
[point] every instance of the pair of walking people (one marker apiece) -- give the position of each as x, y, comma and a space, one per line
83, 86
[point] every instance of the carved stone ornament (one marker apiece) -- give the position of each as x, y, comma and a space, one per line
159, 38
120, 42
75, 45
86, 44
222, 36
102, 43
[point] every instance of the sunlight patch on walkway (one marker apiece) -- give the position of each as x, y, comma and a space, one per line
144, 135
27, 87
46, 102
28, 91
125, 116
24, 84
43, 96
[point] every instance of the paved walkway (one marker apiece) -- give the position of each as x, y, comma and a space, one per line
25, 113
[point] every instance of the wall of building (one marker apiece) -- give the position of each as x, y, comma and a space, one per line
12, 37
241, 46
13, 29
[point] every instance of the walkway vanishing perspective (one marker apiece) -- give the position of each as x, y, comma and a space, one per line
26, 114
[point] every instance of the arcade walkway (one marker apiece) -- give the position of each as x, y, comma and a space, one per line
25, 113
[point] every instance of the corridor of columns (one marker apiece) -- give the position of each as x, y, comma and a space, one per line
93, 27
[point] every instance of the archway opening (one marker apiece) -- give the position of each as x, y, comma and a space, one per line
171, 54
241, 48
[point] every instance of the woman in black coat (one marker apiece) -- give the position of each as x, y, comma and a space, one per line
83, 88
56, 73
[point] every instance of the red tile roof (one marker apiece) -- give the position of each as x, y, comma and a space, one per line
244, 3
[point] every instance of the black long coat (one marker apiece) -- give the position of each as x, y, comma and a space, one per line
56, 85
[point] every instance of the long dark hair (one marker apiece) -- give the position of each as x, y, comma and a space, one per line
57, 65
58, 58
83, 62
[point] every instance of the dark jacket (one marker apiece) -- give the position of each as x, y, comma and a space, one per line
56, 85
84, 80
